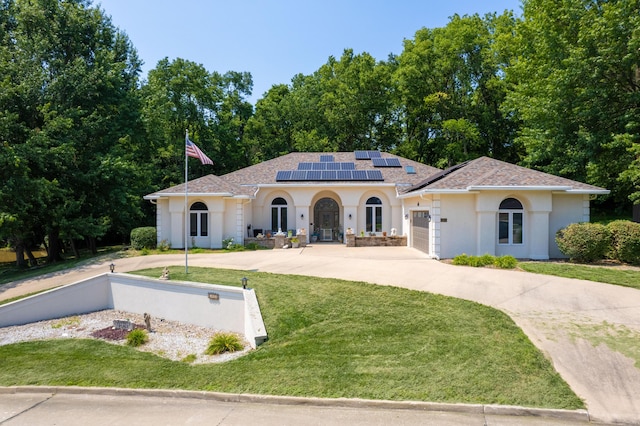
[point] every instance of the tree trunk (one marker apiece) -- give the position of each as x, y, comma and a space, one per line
74, 248
32, 258
91, 241
54, 250
20, 263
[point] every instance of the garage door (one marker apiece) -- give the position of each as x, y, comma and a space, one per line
420, 230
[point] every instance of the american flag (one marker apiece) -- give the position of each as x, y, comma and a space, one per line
194, 151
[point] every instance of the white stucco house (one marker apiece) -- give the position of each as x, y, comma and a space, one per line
477, 207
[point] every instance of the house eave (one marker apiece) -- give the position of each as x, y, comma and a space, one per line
519, 188
436, 191
325, 185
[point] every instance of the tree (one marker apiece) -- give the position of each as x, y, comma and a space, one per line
453, 77
576, 91
67, 107
181, 95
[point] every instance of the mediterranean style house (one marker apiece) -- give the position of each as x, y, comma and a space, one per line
477, 207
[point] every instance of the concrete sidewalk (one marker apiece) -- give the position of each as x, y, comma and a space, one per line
566, 319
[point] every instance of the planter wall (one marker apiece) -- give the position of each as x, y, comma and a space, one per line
355, 241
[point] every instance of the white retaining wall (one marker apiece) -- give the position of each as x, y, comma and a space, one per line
221, 307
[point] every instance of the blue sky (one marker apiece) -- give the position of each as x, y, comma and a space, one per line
275, 40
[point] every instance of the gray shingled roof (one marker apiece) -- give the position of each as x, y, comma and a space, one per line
476, 174
207, 184
488, 172
265, 173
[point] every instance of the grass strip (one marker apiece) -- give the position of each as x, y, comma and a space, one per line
328, 338
601, 274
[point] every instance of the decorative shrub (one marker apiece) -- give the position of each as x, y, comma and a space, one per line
584, 242
506, 262
224, 342
164, 245
137, 337
625, 241
144, 237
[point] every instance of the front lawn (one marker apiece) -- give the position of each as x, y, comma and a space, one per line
328, 338
617, 275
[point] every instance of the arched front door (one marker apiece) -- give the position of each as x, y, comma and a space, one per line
326, 214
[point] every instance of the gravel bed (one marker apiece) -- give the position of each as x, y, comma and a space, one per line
169, 339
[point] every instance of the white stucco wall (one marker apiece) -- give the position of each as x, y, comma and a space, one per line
457, 224
235, 310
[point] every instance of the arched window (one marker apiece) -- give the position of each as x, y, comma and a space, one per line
279, 214
199, 220
374, 214
510, 222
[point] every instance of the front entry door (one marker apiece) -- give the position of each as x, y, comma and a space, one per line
420, 230
327, 219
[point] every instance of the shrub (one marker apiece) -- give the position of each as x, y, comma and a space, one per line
137, 337
506, 262
461, 259
224, 342
164, 245
584, 242
144, 237
625, 241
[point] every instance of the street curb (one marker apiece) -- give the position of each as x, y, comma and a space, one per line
486, 409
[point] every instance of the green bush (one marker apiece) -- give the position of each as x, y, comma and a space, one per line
224, 342
144, 237
625, 241
137, 337
584, 242
506, 262
461, 260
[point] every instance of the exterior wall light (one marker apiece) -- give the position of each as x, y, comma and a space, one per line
302, 216
349, 216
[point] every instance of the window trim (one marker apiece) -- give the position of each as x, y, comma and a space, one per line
373, 214
511, 209
279, 214
199, 215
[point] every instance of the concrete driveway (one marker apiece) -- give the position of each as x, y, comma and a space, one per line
590, 331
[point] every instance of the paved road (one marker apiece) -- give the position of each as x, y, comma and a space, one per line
36, 409
567, 319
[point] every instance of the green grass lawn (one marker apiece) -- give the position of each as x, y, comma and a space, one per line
328, 338
602, 274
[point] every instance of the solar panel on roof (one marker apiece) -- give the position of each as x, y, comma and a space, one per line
298, 175
326, 158
333, 166
314, 175
374, 154
283, 175
348, 166
379, 162
393, 162
329, 175
374, 175
361, 155
304, 166
344, 175
359, 175
319, 166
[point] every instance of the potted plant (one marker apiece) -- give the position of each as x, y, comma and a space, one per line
295, 242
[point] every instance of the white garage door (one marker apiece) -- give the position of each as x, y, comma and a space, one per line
420, 230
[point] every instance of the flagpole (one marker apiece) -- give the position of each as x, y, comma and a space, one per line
186, 204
